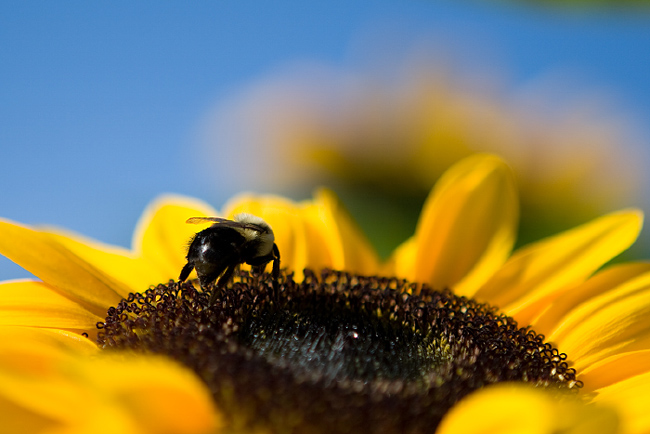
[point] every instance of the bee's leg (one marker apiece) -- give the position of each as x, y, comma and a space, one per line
221, 284
185, 272
258, 270
275, 274
258, 265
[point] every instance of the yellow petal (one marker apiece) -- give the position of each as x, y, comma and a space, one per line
350, 250
161, 236
467, 226
135, 274
631, 398
615, 369
518, 409
602, 282
37, 304
402, 261
606, 324
555, 264
42, 254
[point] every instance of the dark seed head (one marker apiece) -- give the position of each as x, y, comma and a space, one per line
336, 353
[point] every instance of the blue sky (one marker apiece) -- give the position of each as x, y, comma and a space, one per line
100, 102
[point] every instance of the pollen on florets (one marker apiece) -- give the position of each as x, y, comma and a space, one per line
336, 352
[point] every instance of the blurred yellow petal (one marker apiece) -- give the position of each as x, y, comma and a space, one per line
42, 254
17, 419
551, 317
30, 362
614, 369
53, 396
550, 266
37, 304
631, 398
467, 226
33, 350
159, 395
162, 236
509, 408
48, 375
606, 324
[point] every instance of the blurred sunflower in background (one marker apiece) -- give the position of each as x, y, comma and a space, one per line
382, 136
355, 350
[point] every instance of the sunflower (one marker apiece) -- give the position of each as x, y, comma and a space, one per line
381, 136
345, 350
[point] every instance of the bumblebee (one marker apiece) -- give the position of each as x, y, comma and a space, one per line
221, 248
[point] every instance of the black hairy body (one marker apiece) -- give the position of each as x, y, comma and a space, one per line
221, 248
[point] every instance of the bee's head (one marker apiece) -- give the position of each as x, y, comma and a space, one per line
262, 232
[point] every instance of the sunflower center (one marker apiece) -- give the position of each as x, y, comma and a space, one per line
334, 353
340, 343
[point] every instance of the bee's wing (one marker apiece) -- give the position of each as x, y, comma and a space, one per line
198, 220
224, 222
